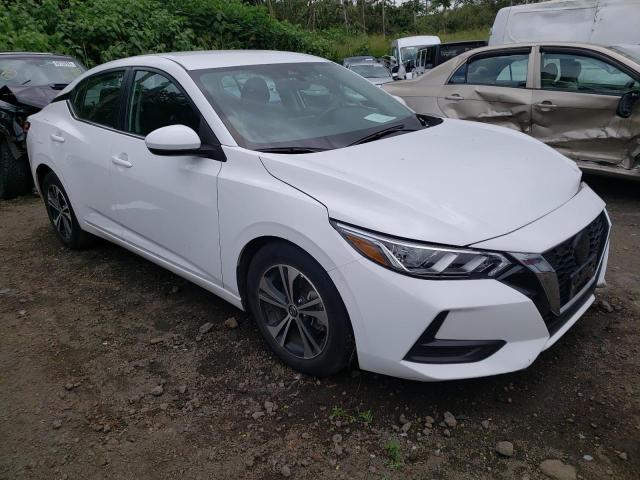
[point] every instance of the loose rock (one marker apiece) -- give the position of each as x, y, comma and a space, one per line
231, 323
205, 327
257, 415
157, 391
485, 424
285, 471
182, 389
557, 470
270, 407
56, 424
623, 456
406, 427
450, 420
403, 420
337, 438
505, 449
606, 306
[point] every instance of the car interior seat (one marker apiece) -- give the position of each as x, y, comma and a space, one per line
549, 75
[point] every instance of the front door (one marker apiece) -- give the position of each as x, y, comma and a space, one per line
574, 111
492, 88
167, 205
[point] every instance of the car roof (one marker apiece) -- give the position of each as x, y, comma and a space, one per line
355, 64
584, 46
34, 54
418, 40
199, 60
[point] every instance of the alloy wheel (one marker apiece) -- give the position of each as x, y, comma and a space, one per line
293, 311
59, 211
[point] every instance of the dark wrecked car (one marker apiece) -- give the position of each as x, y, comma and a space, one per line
28, 82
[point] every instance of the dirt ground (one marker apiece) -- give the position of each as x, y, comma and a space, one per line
104, 374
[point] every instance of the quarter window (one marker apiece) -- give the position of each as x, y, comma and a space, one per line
580, 73
157, 102
508, 70
97, 99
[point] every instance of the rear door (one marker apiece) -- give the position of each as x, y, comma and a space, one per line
82, 141
574, 106
491, 87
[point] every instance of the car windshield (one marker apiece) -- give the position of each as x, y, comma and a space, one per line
370, 70
38, 70
632, 52
315, 106
409, 53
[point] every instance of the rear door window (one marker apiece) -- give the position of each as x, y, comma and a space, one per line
501, 70
97, 99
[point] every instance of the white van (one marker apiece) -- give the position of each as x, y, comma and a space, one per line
404, 51
604, 22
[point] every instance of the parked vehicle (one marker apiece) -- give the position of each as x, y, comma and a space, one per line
334, 214
28, 81
603, 22
359, 59
580, 99
403, 54
430, 57
375, 72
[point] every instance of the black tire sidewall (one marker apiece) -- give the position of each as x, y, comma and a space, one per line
15, 174
339, 344
78, 237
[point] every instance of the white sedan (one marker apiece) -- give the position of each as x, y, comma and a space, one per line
344, 222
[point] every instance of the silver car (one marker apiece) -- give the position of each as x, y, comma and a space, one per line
375, 72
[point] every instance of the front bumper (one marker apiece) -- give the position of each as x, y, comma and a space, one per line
391, 313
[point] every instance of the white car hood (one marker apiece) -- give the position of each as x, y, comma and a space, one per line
456, 183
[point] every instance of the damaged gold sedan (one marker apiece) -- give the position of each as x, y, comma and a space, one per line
580, 99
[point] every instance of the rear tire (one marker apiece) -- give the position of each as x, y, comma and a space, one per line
15, 174
61, 214
299, 310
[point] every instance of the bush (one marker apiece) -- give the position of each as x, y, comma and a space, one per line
97, 31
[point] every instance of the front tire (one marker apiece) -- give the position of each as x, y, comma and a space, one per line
61, 214
299, 310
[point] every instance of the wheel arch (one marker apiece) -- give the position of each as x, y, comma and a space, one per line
249, 251
41, 171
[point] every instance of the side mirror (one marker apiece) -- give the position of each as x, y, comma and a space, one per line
181, 140
626, 103
173, 140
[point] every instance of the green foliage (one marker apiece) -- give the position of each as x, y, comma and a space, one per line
366, 416
394, 454
339, 413
97, 31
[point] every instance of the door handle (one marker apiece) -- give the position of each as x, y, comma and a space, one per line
57, 138
546, 105
122, 162
454, 96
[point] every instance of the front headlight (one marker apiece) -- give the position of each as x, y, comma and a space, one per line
422, 260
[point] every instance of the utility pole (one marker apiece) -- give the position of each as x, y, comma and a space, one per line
383, 26
344, 11
364, 23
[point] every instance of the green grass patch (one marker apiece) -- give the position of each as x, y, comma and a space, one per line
394, 454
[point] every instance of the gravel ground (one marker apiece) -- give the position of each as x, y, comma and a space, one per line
108, 369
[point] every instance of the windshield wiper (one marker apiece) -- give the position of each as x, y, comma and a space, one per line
383, 133
291, 150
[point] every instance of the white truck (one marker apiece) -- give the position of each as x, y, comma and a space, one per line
604, 22
404, 51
